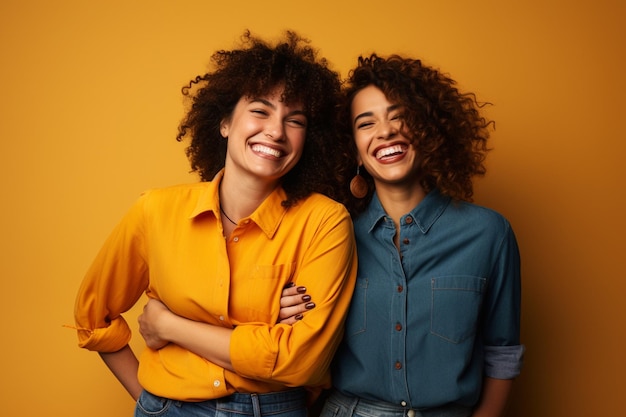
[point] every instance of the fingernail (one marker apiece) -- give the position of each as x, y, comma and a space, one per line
298, 316
306, 298
289, 285
309, 306
301, 290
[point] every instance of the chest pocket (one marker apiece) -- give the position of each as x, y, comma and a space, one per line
260, 299
455, 306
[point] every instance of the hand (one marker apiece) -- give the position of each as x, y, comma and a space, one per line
151, 323
293, 304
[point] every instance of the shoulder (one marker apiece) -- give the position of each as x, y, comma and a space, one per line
478, 211
182, 198
316, 202
321, 208
480, 218
174, 192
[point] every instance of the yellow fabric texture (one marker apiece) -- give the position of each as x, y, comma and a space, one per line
170, 244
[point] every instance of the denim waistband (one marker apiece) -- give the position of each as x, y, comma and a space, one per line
291, 403
296, 396
362, 406
267, 404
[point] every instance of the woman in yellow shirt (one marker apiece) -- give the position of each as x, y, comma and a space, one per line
214, 256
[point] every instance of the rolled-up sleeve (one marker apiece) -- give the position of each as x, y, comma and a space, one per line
503, 351
503, 362
112, 285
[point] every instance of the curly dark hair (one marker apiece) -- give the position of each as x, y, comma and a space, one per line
256, 69
445, 125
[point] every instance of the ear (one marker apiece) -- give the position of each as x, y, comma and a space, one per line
224, 129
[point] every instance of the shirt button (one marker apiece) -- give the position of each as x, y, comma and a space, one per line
221, 318
236, 239
398, 365
409, 220
403, 403
406, 241
217, 383
410, 413
398, 326
400, 288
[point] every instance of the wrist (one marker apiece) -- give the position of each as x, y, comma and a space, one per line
167, 325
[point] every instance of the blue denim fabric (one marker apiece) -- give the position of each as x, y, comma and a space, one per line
427, 322
339, 405
279, 404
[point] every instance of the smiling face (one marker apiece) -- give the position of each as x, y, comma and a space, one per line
265, 138
383, 149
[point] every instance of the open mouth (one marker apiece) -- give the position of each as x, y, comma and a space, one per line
266, 150
391, 151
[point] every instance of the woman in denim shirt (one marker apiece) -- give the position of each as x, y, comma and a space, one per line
434, 323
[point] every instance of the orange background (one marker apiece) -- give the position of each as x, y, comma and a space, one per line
90, 105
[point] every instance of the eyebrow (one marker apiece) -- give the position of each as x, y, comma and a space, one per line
369, 113
270, 104
263, 101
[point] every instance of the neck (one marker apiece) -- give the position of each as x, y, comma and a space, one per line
240, 198
398, 200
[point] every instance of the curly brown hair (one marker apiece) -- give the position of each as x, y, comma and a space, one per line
445, 125
256, 69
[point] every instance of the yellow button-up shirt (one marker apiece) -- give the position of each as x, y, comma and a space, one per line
171, 245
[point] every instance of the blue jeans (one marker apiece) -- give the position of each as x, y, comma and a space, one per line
340, 405
290, 403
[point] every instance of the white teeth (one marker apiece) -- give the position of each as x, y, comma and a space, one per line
266, 150
389, 151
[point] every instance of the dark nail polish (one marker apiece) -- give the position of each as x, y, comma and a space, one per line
306, 298
298, 316
301, 290
309, 306
289, 285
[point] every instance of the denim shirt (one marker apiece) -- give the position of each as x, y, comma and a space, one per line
429, 321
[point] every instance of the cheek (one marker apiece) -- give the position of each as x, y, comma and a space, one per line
297, 142
361, 145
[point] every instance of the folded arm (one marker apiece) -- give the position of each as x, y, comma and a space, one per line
159, 326
276, 351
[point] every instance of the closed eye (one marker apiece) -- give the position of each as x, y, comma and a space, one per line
296, 122
364, 125
397, 116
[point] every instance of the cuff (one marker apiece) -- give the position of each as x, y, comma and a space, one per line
504, 362
107, 339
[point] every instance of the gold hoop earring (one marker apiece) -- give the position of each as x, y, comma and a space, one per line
358, 185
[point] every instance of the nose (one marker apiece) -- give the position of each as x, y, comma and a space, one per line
274, 129
387, 130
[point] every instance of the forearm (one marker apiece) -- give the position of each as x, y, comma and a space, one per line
206, 340
124, 365
495, 395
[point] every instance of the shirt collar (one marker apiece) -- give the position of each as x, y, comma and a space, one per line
267, 216
425, 213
